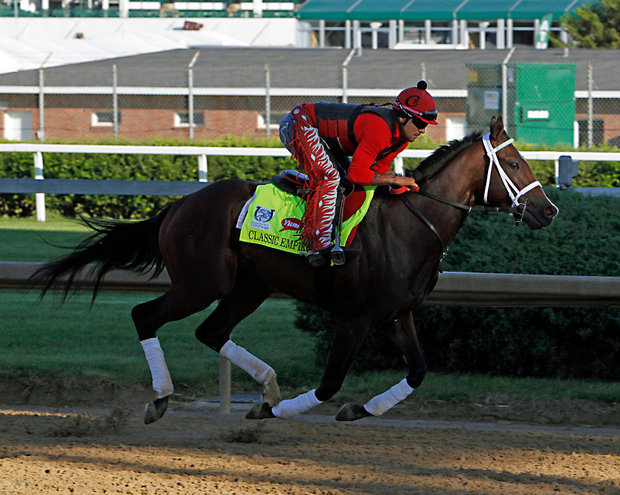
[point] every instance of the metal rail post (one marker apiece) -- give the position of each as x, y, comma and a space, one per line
267, 101
115, 101
505, 86
590, 108
345, 76
190, 95
41, 133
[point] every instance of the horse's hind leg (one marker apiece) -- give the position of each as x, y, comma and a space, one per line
402, 333
150, 316
247, 295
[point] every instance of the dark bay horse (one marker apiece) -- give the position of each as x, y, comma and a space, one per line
401, 242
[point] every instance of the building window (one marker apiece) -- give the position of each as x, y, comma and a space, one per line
274, 121
105, 118
181, 119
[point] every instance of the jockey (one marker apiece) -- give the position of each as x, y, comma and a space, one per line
321, 136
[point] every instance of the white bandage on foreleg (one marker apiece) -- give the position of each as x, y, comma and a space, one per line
162, 383
292, 407
387, 400
257, 369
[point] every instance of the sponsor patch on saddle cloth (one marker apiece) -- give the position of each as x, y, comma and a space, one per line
272, 218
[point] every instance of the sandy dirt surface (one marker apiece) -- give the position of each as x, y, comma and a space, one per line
66, 440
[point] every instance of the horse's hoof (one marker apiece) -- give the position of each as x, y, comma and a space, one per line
271, 393
155, 409
352, 412
260, 411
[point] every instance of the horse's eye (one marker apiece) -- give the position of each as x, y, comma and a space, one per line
514, 165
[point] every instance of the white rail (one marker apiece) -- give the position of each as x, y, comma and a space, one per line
202, 152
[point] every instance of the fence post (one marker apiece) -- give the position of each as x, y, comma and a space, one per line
190, 95
505, 87
41, 133
345, 76
267, 101
590, 109
202, 168
39, 197
115, 101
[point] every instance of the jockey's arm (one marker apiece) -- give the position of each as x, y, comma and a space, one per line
373, 136
390, 178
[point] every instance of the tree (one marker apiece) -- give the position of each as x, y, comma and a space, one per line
595, 25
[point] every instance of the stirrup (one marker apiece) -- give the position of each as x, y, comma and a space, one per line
315, 258
338, 256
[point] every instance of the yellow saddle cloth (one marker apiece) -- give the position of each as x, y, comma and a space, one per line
272, 218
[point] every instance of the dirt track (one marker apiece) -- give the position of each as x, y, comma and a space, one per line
194, 450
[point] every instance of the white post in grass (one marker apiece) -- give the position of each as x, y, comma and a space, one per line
39, 197
224, 385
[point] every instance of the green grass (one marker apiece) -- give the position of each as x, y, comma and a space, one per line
74, 340
26, 239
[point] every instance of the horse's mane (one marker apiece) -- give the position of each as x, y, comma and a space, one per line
440, 157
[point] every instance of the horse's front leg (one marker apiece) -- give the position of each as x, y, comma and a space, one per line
348, 340
402, 333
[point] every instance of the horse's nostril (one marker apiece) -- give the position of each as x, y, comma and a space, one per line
551, 211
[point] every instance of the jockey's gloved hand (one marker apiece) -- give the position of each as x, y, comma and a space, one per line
403, 189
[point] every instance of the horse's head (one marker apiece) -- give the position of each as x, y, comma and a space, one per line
509, 180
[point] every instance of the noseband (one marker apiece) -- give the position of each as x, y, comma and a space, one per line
512, 190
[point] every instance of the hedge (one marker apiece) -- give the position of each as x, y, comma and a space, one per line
538, 342
167, 167
128, 167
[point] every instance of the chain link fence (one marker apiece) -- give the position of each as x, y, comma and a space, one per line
209, 102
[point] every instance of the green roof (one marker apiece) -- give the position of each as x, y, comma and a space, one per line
440, 10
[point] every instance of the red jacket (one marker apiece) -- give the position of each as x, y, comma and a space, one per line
373, 143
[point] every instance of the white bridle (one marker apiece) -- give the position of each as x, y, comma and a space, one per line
512, 190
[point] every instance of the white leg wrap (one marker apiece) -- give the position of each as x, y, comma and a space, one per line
257, 369
387, 400
162, 383
293, 407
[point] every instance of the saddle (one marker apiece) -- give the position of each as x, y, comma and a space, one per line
291, 182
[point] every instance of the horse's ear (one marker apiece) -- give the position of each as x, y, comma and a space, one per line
496, 128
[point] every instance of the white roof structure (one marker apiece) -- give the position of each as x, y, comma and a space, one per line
30, 43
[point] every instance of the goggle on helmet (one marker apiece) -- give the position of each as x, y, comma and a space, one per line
418, 105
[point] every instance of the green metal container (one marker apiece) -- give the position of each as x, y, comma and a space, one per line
541, 100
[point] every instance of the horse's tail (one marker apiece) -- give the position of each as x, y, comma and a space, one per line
114, 245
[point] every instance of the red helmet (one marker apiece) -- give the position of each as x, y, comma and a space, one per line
417, 103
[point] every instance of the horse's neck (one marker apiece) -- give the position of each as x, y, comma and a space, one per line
456, 182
